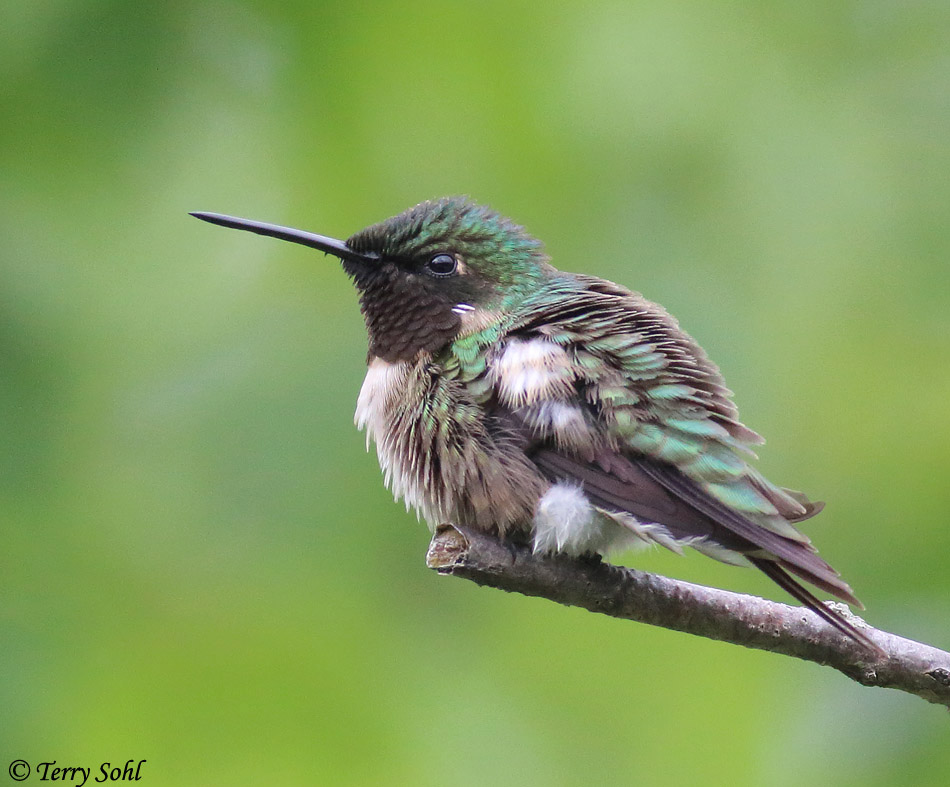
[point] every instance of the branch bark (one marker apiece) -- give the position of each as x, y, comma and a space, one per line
708, 612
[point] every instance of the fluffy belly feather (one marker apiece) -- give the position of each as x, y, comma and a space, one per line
442, 454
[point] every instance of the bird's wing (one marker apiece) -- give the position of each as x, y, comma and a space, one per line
615, 396
646, 490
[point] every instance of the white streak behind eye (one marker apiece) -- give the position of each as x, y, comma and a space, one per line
462, 308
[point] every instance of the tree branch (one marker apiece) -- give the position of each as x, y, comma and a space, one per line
718, 614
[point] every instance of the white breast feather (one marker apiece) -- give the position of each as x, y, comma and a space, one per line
382, 381
374, 407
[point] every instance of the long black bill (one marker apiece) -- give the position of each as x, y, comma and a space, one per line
320, 242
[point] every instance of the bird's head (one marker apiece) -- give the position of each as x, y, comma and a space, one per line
440, 269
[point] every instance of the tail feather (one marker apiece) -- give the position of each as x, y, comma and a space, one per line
830, 583
812, 507
780, 576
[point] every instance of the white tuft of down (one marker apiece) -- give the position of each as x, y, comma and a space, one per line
565, 521
562, 520
561, 420
531, 371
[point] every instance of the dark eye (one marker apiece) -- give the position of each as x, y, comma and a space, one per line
442, 265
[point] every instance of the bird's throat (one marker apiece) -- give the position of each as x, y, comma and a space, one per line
402, 317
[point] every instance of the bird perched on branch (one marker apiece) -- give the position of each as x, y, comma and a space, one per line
552, 408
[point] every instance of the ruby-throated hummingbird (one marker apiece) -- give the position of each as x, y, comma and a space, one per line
556, 409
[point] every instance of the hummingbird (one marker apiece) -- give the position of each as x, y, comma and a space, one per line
553, 409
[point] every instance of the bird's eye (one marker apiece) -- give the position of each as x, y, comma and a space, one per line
442, 265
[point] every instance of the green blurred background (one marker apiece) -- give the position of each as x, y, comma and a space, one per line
199, 563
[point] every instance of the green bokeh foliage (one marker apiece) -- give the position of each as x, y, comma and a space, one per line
199, 565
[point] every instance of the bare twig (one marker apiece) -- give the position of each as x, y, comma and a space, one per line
718, 614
